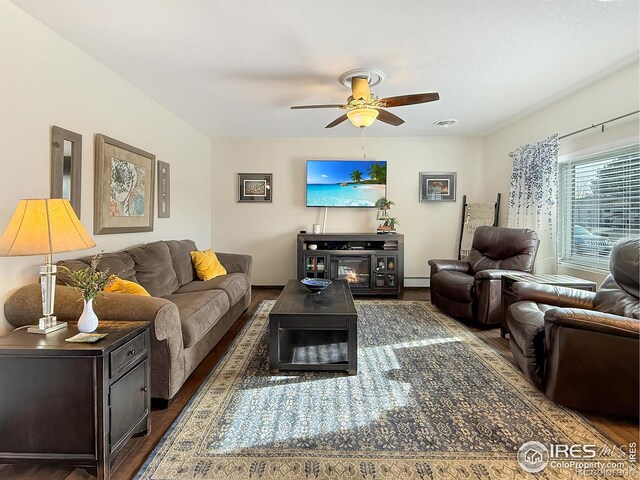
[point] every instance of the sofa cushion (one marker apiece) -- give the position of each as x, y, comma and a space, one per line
615, 300
456, 286
61, 277
179, 250
154, 268
624, 262
118, 263
235, 285
199, 311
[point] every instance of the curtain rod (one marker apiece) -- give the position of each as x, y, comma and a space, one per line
601, 124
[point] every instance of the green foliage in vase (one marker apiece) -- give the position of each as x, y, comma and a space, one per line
90, 282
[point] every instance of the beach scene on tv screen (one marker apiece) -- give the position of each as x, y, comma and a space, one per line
345, 183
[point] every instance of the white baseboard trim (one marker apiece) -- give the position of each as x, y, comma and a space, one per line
417, 282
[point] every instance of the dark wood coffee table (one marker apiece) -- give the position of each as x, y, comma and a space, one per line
314, 331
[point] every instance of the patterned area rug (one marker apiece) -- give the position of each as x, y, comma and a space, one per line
430, 400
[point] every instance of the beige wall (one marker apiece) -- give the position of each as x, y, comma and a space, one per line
47, 81
267, 231
610, 97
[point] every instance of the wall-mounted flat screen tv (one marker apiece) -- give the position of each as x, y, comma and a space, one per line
345, 183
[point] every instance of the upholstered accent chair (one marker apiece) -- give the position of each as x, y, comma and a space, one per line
582, 349
471, 289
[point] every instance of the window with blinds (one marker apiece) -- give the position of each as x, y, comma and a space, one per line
598, 204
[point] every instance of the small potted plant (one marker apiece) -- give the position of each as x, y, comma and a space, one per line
90, 282
388, 223
383, 205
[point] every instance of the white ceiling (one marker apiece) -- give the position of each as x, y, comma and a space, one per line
232, 68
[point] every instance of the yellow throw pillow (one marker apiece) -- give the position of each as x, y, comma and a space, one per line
125, 286
207, 264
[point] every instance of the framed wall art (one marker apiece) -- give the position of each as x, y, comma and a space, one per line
255, 187
437, 186
66, 166
124, 188
164, 190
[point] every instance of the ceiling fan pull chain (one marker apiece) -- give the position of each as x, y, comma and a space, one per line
364, 153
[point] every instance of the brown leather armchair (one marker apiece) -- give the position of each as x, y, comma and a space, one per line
471, 289
580, 348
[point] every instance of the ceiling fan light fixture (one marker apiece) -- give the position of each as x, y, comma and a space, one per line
362, 117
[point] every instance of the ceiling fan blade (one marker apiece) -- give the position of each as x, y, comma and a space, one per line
337, 121
388, 117
410, 99
360, 88
297, 107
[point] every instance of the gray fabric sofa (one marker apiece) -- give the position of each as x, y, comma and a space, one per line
188, 316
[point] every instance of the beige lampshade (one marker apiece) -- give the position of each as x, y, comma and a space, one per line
44, 226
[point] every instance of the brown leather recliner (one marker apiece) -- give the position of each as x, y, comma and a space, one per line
471, 289
580, 348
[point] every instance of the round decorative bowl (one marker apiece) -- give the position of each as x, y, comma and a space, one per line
316, 285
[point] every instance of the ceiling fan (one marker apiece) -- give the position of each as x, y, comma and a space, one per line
363, 107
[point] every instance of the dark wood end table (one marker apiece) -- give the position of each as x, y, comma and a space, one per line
508, 297
73, 404
314, 331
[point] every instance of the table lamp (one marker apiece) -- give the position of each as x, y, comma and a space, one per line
44, 227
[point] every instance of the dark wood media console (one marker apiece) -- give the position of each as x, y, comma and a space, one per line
372, 264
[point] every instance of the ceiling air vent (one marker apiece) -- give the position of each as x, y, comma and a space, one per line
449, 122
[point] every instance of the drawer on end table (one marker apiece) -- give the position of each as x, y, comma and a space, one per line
127, 354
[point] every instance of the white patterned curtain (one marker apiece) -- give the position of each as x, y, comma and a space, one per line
533, 196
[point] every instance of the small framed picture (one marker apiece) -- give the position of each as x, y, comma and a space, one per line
437, 186
164, 190
255, 187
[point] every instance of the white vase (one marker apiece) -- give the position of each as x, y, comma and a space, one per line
88, 321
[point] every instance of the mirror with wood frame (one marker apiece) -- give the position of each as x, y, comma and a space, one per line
66, 166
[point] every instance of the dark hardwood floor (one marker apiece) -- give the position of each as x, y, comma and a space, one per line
619, 430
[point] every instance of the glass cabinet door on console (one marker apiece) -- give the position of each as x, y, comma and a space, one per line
315, 266
352, 268
386, 268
